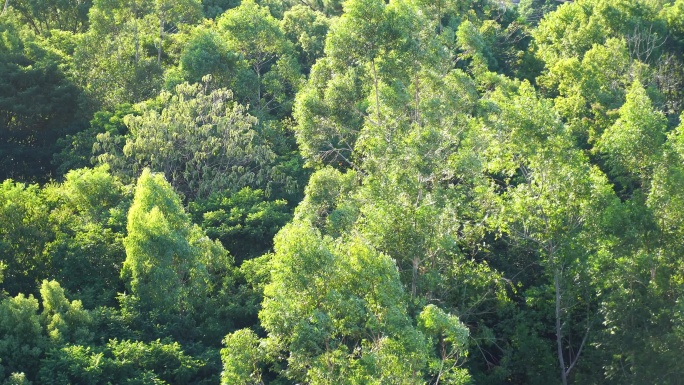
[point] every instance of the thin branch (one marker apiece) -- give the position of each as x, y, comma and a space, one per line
579, 352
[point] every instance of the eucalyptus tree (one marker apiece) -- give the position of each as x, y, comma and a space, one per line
594, 49
553, 205
633, 145
22, 341
88, 214
335, 313
307, 29
113, 58
204, 53
640, 263
43, 17
65, 322
372, 47
268, 74
588, 90
39, 103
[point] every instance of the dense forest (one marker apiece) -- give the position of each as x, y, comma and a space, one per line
341, 192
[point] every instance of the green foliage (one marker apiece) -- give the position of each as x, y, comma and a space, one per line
23, 236
101, 142
450, 339
165, 361
553, 207
38, 103
633, 144
65, 322
244, 222
329, 113
205, 53
475, 47
494, 196
21, 337
121, 362
162, 267
591, 89
214, 8
574, 28
267, 70
323, 206
339, 312
89, 220
330, 8
43, 17
17, 379
307, 29
201, 141
532, 11
241, 359
369, 44
122, 56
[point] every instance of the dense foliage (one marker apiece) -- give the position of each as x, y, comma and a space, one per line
341, 192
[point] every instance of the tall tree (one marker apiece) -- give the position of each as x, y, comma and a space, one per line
272, 73
337, 308
42, 17
38, 103
23, 237
22, 341
633, 145
201, 140
162, 267
88, 214
115, 60
553, 207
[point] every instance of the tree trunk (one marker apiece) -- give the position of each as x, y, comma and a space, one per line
137, 43
377, 92
161, 40
414, 279
259, 88
559, 333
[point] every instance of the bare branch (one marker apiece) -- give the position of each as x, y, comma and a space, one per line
579, 352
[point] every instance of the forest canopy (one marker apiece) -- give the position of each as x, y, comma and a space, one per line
341, 192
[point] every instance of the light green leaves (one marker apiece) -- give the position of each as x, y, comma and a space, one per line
201, 141
162, 266
271, 73
66, 322
633, 144
450, 338
242, 359
338, 310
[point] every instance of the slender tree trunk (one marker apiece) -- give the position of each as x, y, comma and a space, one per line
137, 43
161, 40
377, 92
4, 8
444, 356
414, 280
416, 117
559, 333
439, 16
136, 32
259, 89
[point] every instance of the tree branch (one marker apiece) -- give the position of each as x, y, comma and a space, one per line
579, 352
